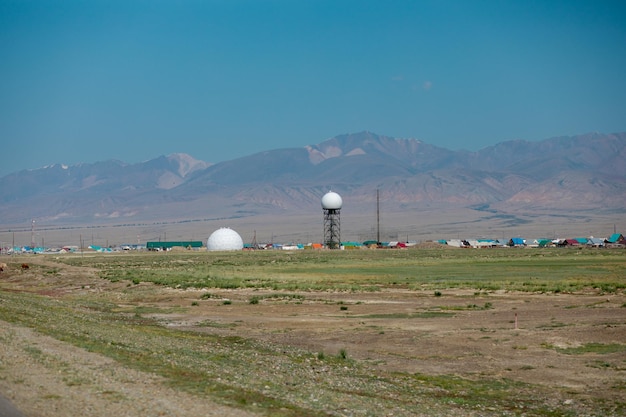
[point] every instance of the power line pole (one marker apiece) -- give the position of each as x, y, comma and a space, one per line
377, 217
254, 243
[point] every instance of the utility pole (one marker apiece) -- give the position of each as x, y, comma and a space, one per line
254, 243
377, 217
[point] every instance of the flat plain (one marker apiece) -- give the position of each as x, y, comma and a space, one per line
423, 331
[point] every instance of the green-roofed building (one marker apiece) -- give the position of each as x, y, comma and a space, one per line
188, 244
542, 243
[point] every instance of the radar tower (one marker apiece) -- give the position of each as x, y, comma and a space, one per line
331, 205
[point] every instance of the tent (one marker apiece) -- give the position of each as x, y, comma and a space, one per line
517, 241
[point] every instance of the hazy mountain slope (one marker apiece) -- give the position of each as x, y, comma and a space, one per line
260, 167
584, 172
406, 152
591, 152
574, 191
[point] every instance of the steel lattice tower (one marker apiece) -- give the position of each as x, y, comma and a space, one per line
332, 228
331, 204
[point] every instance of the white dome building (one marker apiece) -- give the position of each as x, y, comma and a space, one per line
331, 201
224, 238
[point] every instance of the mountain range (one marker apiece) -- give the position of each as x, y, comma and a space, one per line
582, 175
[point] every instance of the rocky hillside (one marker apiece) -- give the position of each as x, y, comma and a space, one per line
581, 173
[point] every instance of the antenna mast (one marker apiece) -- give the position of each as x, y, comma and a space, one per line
254, 244
377, 217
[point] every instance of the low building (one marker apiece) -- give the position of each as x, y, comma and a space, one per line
541, 243
595, 242
616, 238
187, 244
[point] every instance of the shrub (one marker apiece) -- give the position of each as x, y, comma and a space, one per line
343, 354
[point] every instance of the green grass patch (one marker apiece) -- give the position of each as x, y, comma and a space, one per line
485, 306
140, 310
216, 324
530, 270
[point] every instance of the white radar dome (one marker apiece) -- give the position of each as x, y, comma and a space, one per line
331, 201
224, 239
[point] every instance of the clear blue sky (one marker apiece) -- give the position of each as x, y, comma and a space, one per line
86, 81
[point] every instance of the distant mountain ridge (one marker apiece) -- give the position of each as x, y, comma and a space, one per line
584, 172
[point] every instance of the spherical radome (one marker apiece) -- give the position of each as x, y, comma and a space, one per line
224, 239
331, 201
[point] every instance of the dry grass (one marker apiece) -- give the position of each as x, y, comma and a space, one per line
344, 333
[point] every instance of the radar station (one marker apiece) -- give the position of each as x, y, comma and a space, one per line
331, 204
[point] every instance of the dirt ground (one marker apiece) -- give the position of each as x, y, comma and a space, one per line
500, 334
471, 343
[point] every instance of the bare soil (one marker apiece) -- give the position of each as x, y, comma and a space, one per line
501, 334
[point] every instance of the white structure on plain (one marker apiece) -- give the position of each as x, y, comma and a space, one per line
331, 204
224, 238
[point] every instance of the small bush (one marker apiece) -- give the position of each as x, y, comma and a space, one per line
437, 293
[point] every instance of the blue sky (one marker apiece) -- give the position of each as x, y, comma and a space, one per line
85, 81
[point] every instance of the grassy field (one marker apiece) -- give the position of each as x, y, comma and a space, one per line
125, 322
541, 270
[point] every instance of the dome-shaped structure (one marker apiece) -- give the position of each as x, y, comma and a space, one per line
224, 239
331, 201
